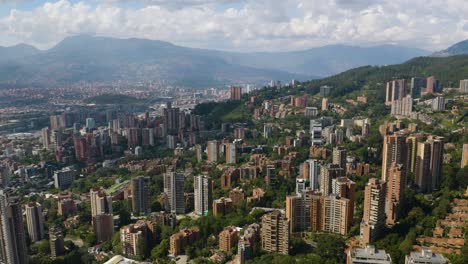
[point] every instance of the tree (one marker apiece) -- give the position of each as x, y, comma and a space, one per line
330, 247
161, 250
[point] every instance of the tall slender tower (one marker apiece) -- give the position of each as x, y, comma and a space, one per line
373, 220
13, 249
275, 233
394, 151
395, 187
174, 191
313, 174
140, 195
35, 221
101, 212
203, 195
429, 164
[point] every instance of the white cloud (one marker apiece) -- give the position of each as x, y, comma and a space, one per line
245, 24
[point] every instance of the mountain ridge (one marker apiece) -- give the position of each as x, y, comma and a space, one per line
91, 58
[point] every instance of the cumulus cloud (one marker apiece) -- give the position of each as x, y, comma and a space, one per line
246, 25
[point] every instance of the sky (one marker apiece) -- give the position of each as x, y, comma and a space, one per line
240, 25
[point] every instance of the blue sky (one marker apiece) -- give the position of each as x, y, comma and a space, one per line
240, 25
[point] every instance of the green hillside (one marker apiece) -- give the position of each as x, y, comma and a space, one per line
449, 70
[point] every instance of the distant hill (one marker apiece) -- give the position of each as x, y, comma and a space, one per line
327, 60
17, 52
94, 59
456, 49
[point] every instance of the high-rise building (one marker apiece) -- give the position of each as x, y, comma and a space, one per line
395, 90
429, 164
295, 212
5, 176
464, 159
57, 244
313, 173
13, 249
395, 187
103, 226
64, 178
402, 107
346, 188
438, 104
213, 151
222, 206
140, 195
300, 186
463, 86
339, 157
412, 149
203, 196
394, 151
373, 221
327, 174
267, 130
171, 119
90, 123
147, 137
101, 213
316, 132
132, 237
275, 233
335, 214
180, 240
174, 191
417, 85
228, 238
46, 137
432, 85
231, 153
324, 104
35, 221
236, 93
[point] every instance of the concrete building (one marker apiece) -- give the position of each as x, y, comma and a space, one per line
438, 104
236, 93
429, 162
426, 256
131, 237
140, 195
231, 153
335, 217
202, 194
395, 90
35, 221
213, 151
275, 233
373, 221
180, 240
174, 192
228, 238
267, 130
13, 249
101, 214
395, 187
313, 173
222, 206
368, 255
394, 151
464, 159
339, 157
57, 244
402, 107
327, 174
64, 178
417, 85
463, 86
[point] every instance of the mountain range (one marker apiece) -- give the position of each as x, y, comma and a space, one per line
94, 59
